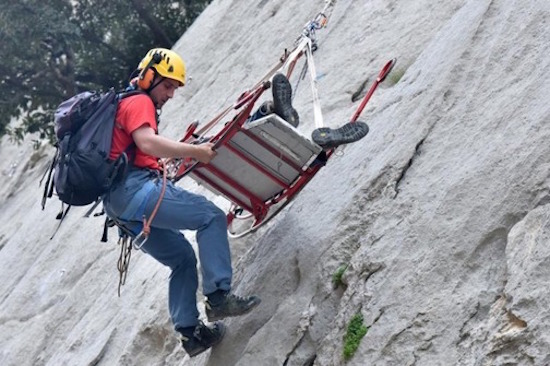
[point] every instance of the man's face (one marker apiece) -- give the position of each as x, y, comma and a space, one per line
164, 91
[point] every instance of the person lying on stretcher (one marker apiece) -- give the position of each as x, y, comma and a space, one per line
325, 137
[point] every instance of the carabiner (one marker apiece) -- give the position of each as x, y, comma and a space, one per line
139, 240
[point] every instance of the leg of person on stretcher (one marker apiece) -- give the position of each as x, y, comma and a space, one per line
326, 137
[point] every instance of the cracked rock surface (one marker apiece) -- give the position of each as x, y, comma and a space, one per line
440, 216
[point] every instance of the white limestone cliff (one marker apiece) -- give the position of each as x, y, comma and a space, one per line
441, 213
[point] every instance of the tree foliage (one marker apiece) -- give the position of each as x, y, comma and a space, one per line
53, 49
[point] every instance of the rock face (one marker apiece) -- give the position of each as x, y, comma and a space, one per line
440, 216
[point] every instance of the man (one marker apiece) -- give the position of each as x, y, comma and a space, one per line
161, 72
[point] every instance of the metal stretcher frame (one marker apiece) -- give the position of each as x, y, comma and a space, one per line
232, 143
256, 171
246, 170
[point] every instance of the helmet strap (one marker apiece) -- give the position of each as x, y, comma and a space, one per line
155, 84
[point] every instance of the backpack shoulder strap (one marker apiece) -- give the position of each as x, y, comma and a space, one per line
130, 93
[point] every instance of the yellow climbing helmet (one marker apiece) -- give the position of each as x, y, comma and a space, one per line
170, 64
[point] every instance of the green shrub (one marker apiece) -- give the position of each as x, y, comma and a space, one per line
356, 331
337, 276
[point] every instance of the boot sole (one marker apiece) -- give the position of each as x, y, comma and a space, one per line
222, 329
329, 138
282, 96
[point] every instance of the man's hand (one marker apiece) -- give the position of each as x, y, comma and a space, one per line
150, 143
204, 152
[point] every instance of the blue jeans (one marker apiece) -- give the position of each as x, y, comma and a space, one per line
136, 196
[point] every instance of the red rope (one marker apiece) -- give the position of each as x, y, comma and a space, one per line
147, 222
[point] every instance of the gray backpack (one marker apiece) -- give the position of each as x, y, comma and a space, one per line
82, 171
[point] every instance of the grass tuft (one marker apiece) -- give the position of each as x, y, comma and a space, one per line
356, 331
337, 276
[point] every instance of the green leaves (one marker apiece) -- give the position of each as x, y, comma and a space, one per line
337, 276
355, 332
53, 49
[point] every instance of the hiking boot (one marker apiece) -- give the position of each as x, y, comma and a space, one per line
282, 100
203, 338
230, 305
329, 138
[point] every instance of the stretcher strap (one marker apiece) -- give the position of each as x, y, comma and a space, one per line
304, 46
317, 114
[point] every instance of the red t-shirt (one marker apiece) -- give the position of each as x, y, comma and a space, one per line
134, 112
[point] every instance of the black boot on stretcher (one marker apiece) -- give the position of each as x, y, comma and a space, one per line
282, 100
329, 138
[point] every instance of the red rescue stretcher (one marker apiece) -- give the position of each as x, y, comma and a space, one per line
261, 165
